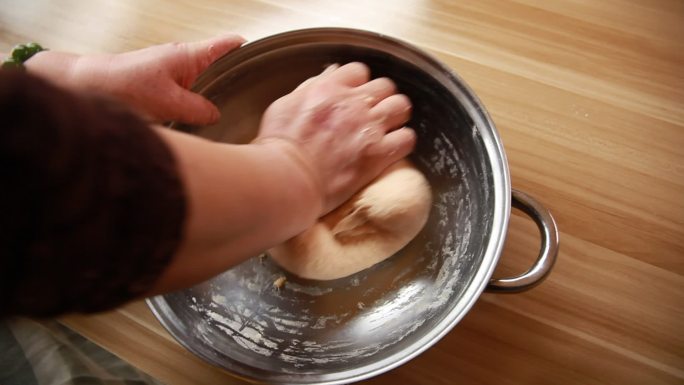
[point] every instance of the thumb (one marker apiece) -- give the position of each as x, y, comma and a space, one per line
203, 53
191, 108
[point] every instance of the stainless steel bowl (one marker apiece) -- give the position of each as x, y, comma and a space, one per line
311, 332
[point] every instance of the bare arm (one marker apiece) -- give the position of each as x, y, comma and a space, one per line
317, 146
241, 200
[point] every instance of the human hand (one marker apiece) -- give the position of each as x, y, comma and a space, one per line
343, 128
154, 81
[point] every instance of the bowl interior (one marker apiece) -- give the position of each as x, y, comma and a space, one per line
336, 330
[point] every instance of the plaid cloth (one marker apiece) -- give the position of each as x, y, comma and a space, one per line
49, 353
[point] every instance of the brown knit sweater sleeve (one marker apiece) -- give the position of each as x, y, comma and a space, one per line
91, 202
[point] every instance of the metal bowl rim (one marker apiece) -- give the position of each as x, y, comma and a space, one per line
502, 206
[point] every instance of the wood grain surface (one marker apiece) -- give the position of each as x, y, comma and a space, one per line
588, 97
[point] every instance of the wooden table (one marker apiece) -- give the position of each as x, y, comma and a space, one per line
588, 97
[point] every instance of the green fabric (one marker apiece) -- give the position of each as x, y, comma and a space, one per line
20, 54
48, 353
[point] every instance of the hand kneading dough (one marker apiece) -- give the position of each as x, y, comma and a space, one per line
371, 226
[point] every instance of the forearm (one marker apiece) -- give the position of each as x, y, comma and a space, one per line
242, 199
93, 202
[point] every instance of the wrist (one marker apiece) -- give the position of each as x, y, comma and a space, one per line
308, 189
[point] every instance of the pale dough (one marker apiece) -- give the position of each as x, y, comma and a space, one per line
371, 226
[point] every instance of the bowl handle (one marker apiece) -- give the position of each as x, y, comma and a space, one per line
549, 247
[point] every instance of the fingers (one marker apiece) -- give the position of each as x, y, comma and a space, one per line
310, 80
330, 69
392, 112
393, 146
205, 52
376, 90
188, 107
352, 74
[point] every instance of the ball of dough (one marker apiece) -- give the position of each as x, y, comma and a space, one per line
371, 226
